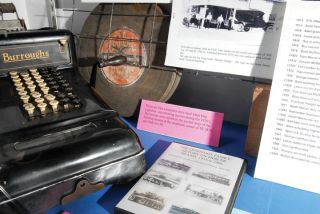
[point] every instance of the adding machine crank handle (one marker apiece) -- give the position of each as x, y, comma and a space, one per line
101, 63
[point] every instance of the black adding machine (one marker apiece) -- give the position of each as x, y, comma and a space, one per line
58, 141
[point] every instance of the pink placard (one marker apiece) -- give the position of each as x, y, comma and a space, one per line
181, 122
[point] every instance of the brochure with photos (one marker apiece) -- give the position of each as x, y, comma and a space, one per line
186, 179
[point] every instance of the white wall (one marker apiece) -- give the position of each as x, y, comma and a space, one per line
21, 8
65, 20
35, 13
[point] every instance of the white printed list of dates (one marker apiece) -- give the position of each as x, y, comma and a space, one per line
290, 146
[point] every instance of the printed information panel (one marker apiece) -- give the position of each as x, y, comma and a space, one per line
232, 37
181, 122
290, 145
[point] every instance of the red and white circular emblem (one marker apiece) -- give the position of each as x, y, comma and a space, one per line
124, 42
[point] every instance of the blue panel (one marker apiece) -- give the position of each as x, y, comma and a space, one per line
255, 196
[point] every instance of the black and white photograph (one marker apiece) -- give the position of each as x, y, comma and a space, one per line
244, 20
148, 199
162, 179
174, 165
204, 194
174, 209
229, 18
212, 177
217, 35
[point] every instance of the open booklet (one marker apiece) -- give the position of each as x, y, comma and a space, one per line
237, 37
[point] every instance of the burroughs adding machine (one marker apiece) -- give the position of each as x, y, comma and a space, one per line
56, 139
